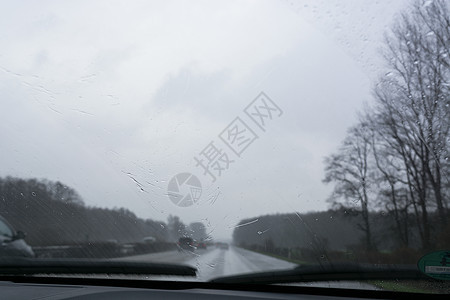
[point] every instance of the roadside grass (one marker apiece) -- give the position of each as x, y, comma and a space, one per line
421, 287
404, 286
396, 287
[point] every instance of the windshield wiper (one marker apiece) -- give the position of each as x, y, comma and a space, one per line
336, 272
28, 266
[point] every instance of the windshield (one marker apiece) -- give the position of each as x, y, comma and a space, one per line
231, 136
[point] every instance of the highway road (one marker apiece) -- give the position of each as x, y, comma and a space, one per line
214, 262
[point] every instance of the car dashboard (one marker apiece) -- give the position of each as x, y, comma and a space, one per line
17, 287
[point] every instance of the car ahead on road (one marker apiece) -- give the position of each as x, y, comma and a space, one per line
186, 243
12, 242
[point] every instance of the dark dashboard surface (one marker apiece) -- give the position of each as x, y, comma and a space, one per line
10, 290
36, 288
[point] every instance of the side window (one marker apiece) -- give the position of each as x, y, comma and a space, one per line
5, 230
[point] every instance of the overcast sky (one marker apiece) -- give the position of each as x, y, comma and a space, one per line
115, 98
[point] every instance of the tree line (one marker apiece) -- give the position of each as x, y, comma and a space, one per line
395, 158
333, 234
52, 213
391, 173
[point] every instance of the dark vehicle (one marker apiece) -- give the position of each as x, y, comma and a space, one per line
186, 243
12, 242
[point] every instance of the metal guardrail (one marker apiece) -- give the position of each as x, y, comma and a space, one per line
101, 250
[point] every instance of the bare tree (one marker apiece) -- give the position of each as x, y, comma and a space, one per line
176, 228
349, 169
412, 107
197, 231
392, 185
